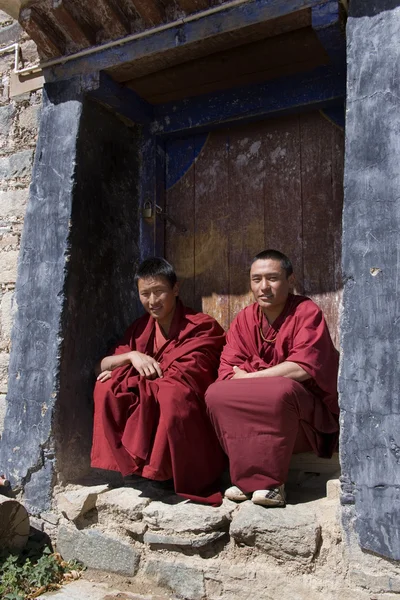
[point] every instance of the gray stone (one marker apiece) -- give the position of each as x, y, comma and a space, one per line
29, 117
135, 529
16, 165
6, 119
8, 266
291, 533
98, 551
13, 203
374, 582
10, 34
4, 362
6, 314
185, 581
75, 503
50, 518
187, 517
175, 541
121, 504
3, 407
368, 380
333, 489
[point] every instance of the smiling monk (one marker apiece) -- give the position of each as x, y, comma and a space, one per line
276, 391
150, 417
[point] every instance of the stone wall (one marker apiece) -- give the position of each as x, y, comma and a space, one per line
19, 119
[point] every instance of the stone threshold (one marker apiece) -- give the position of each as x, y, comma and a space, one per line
201, 552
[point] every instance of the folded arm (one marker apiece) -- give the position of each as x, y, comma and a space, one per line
145, 365
288, 369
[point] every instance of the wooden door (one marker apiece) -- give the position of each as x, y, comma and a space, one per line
234, 192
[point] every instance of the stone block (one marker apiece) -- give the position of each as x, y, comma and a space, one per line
4, 361
76, 503
5, 19
333, 489
291, 533
135, 529
10, 34
16, 165
121, 505
51, 518
98, 551
29, 117
3, 407
197, 542
187, 517
6, 314
186, 581
6, 119
375, 582
8, 266
13, 203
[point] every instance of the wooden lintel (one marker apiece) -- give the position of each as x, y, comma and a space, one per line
190, 6
46, 46
71, 28
122, 100
330, 32
321, 87
206, 27
152, 13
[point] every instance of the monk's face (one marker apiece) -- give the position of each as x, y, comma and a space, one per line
269, 284
158, 298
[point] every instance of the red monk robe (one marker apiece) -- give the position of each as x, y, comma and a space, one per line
159, 428
261, 422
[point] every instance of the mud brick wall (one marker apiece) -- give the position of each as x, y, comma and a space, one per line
19, 118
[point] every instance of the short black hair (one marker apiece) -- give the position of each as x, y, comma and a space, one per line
275, 255
156, 267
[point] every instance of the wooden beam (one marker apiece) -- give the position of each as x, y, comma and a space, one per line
71, 28
151, 11
191, 6
121, 100
330, 31
322, 87
30, 22
182, 36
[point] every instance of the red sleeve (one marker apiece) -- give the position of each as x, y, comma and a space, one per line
234, 354
313, 349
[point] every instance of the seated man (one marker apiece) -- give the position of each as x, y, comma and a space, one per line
150, 416
276, 390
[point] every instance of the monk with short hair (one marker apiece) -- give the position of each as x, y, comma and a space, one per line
150, 417
276, 392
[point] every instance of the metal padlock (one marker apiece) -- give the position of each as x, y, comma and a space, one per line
147, 211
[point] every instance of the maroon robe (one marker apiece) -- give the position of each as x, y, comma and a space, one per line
260, 422
159, 428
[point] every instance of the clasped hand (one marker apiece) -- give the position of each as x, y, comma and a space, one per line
145, 365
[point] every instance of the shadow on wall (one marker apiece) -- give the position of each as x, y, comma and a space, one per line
101, 294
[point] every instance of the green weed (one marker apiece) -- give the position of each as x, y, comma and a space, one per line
28, 575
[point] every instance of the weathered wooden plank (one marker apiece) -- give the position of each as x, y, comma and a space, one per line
48, 46
179, 244
71, 27
265, 29
213, 219
247, 183
323, 86
122, 100
282, 195
190, 6
206, 27
321, 218
152, 13
148, 149
252, 63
